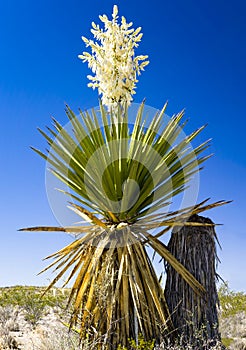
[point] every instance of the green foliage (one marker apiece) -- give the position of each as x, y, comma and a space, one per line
231, 302
226, 341
99, 164
33, 308
142, 344
23, 295
31, 301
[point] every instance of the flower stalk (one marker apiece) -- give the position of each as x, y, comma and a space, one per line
113, 60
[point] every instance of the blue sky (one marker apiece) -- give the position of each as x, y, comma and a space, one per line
197, 52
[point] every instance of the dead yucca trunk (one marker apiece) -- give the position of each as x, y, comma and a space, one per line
194, 317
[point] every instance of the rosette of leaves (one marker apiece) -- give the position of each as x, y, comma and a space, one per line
121, 179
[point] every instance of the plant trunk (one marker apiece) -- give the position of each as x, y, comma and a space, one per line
195, 318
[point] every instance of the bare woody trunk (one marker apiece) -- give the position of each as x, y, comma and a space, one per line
194, 318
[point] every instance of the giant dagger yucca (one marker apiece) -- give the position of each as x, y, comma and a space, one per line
122, 179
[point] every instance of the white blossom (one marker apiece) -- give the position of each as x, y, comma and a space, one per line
113, 60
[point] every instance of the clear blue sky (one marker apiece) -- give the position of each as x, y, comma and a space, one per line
197, 52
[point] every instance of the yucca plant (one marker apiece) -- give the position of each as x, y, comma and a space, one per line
122, 178
102, 166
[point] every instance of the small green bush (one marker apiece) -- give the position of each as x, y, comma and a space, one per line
227, 341
231, 302
142, 344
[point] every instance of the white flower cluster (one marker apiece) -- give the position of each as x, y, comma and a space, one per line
113, 60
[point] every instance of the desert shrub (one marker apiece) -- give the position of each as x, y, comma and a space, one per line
231, 302
59, 339
19, 295
31, 301
227, 341
7, 324
33, 308
140, 345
